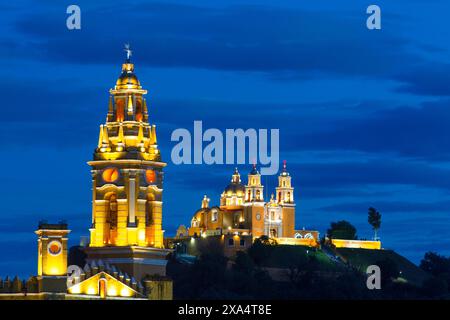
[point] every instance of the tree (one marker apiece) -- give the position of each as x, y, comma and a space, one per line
259, 252
243, 263
435, 264
374, 220
342, 230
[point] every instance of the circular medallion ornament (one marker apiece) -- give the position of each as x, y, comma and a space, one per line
150, 176
258, 216
54, 248
110, 174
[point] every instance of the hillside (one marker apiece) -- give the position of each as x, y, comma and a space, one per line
362, 258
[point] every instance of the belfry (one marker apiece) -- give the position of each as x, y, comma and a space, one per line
127, 179
125, 257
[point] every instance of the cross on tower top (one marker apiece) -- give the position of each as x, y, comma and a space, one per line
128, 50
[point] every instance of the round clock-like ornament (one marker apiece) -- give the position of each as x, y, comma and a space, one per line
110, 174
150, 176
54, 247
258, 216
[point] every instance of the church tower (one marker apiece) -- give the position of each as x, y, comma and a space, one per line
127, 173
52, 256
254, 202
285, 199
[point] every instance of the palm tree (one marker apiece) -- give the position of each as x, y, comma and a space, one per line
374, 220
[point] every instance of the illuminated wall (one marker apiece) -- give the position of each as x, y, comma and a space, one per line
361, 244
103, 285
309, 242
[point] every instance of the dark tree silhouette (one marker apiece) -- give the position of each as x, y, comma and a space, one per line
342, 230
374, 220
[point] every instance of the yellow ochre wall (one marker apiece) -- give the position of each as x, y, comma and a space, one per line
362, 244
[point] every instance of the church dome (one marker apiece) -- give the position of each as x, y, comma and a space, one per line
127, 79
254, 171
235, 187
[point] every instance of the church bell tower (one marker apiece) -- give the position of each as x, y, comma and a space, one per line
127, 173
285, 199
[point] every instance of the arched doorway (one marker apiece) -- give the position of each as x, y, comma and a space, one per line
273, 233
102, 291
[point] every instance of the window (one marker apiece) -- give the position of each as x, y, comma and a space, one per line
231, 242
111, 209
214, 216
242, 242
138, 111
120, 104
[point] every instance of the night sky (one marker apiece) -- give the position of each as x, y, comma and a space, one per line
363, 115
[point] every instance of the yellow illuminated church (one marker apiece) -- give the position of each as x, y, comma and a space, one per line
244, 214
125, 258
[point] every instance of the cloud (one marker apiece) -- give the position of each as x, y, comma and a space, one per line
283, 43
390, 206
429, 79
421, 132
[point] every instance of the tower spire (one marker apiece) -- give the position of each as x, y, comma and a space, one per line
153, 135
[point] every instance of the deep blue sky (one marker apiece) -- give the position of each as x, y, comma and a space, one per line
363, 115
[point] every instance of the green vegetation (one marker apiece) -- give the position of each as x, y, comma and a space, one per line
342, 230
439, 267
362, 258
285, 256
268, 270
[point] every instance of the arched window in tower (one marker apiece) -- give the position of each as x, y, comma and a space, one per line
120, 110
138, 110
111, 209
284, 183
149, 210
249, 193
258, 195
288, 197
279, 196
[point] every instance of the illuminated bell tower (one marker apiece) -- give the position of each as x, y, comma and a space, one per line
254, 202
127, 179
52, 256
127, 171
285, 199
